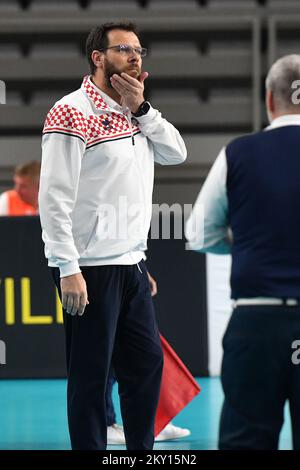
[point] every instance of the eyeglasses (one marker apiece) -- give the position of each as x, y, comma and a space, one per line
127, 49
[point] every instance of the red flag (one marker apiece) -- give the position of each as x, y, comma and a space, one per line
178, 388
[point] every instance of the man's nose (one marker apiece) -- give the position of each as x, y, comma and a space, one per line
134, 56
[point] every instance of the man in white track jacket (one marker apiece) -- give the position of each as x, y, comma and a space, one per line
99, 148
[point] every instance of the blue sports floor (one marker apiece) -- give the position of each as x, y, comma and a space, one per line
33, 416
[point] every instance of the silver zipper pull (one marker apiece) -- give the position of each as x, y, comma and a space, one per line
139, 268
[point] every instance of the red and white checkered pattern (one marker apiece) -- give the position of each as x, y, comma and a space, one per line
93, 93
66, 119
95, 128
106, 125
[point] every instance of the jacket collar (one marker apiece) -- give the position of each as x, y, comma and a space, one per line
285, 120
93, 93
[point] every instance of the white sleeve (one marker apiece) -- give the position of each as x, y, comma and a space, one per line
3, 204
62, 151
169, 147
207, 228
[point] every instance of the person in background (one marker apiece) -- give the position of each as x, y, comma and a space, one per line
253, 187
23, 198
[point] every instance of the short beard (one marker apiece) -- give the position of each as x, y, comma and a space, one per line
110, 69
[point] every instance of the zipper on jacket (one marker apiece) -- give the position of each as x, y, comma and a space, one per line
128, 117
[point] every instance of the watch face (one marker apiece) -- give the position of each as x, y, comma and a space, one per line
143, 109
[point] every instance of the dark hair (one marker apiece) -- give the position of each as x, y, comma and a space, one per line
97, 39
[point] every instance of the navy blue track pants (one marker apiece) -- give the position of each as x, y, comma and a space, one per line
118, 328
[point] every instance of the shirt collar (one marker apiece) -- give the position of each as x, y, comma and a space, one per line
286, 120
100, 99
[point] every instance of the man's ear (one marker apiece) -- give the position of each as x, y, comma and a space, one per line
98, 58
270, 101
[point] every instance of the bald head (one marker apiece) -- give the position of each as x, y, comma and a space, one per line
280, 87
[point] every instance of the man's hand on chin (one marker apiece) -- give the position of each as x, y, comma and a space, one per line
130, 89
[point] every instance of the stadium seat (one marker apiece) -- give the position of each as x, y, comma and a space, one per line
230, 5
279, 5
230, 96
11, 51
288, 47
173, 48
131, 6
55, 5
173, 4
229, 48
10, 6
14, 98
45, 97
66, 50
167, 96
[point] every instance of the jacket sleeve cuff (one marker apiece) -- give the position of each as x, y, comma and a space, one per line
152, 113
67, 269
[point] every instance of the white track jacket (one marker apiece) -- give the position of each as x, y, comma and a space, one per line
96, 184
